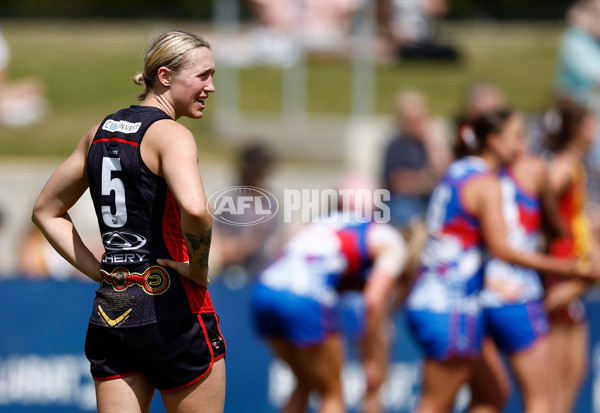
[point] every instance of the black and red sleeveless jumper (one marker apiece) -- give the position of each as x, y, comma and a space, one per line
139, 222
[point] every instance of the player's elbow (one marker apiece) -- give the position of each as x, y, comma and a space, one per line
37, 214
197, 211
501, 251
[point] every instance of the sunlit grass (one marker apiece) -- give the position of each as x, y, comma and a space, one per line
88, 68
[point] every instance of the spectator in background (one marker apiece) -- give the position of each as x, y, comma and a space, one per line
481, 97
414, 159
246, 247
37, 259
409, 29
571, 130
579, 56
21, 102
285, 29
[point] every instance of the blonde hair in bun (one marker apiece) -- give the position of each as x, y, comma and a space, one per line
138, 79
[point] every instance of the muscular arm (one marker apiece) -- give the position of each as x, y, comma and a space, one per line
50, 212
390, 252
178, 162
486, 198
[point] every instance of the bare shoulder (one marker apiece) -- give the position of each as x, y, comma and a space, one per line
483, 181
530, 171
533, 164
86, 141
479, 191
167, 135
170, 128
560, 163
560, 172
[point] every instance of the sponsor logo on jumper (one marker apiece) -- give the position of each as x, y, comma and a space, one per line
117, 258
118, 240
121, 126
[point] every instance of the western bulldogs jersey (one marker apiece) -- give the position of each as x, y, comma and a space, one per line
321, 260
139, 222
451, 270
507, 283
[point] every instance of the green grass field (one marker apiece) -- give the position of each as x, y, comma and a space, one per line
88, 66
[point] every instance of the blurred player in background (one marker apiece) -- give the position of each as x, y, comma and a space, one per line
294, 302
512, 297
515, 319
571, 131
463, 218
152, 326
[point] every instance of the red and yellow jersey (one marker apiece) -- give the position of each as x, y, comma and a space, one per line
571, 206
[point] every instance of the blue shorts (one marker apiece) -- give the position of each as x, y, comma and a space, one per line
515, 328
352, 310
444, 336
300, 320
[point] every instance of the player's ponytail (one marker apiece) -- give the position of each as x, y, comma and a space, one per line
560, 122
472, 136
138, 79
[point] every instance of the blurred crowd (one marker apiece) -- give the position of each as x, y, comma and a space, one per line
289, 29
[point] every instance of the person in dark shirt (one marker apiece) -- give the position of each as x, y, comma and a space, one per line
413, 160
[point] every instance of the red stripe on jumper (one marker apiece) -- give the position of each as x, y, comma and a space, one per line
117, 140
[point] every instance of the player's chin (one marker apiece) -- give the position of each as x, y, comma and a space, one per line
196, 113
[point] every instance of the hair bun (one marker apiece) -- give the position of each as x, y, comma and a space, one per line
138, 79
467, 134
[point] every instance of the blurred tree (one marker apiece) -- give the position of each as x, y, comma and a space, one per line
202, 9
111, 9
509, 9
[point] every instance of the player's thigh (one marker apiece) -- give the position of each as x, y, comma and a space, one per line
490, 383
316, 366
441, 382
205, 396
576, 350
533, 370
131, 394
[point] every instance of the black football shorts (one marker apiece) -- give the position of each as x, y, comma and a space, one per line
171, 354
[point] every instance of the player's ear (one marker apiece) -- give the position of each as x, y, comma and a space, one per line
164, 76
